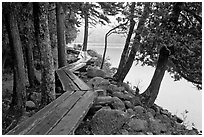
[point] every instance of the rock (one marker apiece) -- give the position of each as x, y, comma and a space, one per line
101, 92
128, 89
130, 112
83, 129
139, 109
156, 108
101, 100
138, 124
128, 104
95, 72
30, 104
107, 122
150, 116
112, 88
164, 112
179, 120
118, 104
151, 111
98, 83
156, 127
191, 132
149, 133
124, 132
122, 96
36, 97
136, 101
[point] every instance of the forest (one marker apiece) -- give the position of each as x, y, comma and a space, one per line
165, 35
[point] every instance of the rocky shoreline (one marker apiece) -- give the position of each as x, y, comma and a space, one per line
118, 108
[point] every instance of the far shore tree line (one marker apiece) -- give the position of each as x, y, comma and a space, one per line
165, 35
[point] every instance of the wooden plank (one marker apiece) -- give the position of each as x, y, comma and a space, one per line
67, 83
56, 115
80, 83
70, 122
77, 66
28, 124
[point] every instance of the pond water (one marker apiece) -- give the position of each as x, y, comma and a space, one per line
175, 96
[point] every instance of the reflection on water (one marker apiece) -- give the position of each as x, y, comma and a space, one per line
174, 96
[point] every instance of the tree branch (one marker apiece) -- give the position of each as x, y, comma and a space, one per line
175, 62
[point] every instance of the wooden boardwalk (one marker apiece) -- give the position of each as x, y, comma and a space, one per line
63, 115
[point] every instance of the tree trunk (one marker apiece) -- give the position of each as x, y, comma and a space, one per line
4, 57
19, 88
124, 55
128, 64
30, 64
85, 27
60, 35
48, 77
152, 91
106, 41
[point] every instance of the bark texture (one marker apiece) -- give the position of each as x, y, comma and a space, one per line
128, 64
48, 77
124, 55
60, 35
19, 88
152, 91
85, 27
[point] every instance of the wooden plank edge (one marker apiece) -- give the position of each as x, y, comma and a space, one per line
91, 95
23, 127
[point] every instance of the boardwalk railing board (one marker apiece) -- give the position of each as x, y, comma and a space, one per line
77, 81
67, 83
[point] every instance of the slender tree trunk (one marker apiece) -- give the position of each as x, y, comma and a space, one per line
30, 65
19, 88
124, 55
104, 53
85, 27
106, 41
128, 64
152, 91
4, 57
48, 78
60, 35
36, 21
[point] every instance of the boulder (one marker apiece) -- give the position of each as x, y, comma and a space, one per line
156, 127
118, 104
151, 111
138, 124
107, 121
95, 72
128, 104
30, 104
102, 100
122, 95
124, 132
112, 88
101, 92
128, 89
136, 101
139, 109
130, 112
36, 97
98, 83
